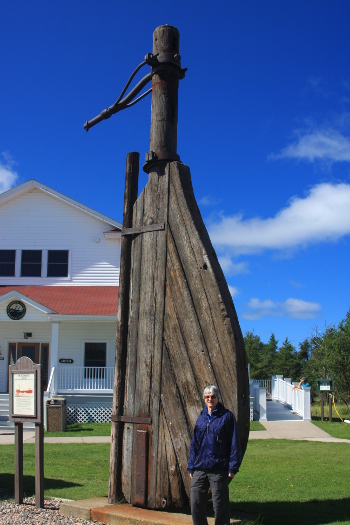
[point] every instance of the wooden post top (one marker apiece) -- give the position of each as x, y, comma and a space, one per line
165, 86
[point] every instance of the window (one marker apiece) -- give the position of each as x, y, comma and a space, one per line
57, 263
95, 357
31, 263
7, 263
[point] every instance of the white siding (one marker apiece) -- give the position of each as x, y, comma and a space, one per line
72, 336
32, 314
36, 220
12, 332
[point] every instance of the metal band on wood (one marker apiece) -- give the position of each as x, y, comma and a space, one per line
135, 420
143, 229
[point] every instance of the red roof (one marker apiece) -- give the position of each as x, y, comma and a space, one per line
71, 300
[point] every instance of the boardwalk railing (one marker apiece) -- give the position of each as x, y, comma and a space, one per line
258, 398
264, 383
85, 379
298, 399
280, 390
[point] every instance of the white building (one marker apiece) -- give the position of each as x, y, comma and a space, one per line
59, 276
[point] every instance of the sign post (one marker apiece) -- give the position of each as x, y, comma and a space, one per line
325, 385
26, 406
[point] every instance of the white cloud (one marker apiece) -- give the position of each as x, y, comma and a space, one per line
322, 216
319, 145
8, 176
233, 290
231, 268
291, 308
208, 200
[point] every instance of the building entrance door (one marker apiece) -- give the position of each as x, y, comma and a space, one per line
30, 350
37, 352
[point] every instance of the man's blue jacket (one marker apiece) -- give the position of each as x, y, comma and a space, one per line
215, 444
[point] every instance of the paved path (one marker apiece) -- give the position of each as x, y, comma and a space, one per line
276, 411
302, 430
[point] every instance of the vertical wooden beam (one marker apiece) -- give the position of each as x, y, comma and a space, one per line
165, 85
130, 196
39, 465
18, 463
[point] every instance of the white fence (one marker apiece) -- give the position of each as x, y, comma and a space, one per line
258, 396
91, 379
281, 390
264, 383
298, 399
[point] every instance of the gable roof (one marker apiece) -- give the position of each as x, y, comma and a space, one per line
28, 186
67, 300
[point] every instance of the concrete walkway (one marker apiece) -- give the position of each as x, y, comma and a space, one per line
300, 430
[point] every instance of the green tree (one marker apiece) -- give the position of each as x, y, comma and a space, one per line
254, 347
336, 353
287, 362
268, 358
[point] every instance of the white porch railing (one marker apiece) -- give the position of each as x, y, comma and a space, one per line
264, 383
51, 385
258, 395
298, 399
92, 379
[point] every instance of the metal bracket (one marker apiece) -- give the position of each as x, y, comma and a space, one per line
134, 420
143, 229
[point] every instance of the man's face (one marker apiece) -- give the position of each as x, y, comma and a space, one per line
211, 401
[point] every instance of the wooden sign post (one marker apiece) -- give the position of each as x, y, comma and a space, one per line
177, 328
26, 406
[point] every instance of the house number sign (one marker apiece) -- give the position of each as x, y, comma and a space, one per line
66, 361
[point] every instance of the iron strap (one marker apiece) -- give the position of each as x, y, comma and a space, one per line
143, 229
132, 419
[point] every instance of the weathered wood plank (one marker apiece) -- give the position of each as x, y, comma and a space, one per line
130, 379
174, 406
163, 486
211, 296
152, 313
130, 196
184, 338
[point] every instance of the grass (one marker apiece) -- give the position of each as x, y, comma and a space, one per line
336, 429
284, 482
83, 429
72, 471
255, 425
104, 429
288, 482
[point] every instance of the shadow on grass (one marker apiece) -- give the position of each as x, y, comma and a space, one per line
7, 481
72, 428
335, 419
313, 512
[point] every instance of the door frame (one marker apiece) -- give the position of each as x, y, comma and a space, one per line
39, 354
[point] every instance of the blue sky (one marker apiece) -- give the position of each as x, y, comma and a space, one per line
264, 124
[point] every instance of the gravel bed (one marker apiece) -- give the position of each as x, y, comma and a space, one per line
28, 514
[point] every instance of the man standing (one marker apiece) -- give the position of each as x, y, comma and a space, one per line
215, 457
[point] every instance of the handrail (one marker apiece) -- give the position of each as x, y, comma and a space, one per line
85, 378
51, 380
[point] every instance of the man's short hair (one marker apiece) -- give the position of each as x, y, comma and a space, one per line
211, 389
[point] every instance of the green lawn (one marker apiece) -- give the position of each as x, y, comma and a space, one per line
255, 425
285, 482
104, 429
83, 429
294, 482
336, 428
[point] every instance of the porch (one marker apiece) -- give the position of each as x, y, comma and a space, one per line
80, 380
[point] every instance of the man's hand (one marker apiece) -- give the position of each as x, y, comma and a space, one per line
230, 477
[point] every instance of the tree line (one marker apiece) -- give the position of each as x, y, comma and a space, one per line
326, 354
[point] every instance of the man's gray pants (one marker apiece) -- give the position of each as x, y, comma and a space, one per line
199, 495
